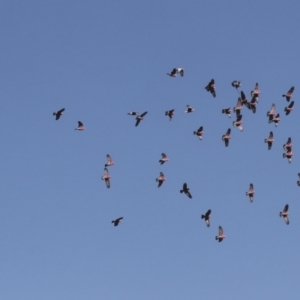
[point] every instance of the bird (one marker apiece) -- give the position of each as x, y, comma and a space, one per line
80, 126
160, 179
206, 217
221, 235
244, 100
236, 84
271, 114
255, 93
288, 144
270, 140
139, 118
199, 132
276, 119
298, 182
58, 113
176, 71
133, 113
250, 192
289, 108
117, 221
238, 122
226, 137
289, 94
170, 113
211, 87
237, 109
189, 109
163, 159
288, 154
227, 111
185, 190
110, 162
285, 214
106, 177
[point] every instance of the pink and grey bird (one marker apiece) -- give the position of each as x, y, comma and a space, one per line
236, 84
288, 154
226, 137
238, 123
211, 87
139, 118
244, 100
106, 177
237, 109
163, 159
117, 221
133, 113
176, 71
250, 192
221, 235
189, 109
170, 113
58, 114
255, 93
186, 190
285, 214
288, 145
110, 162
227, 111
270, 140
289, 108
289, 94
80, 126
271, 114
160, 179
199, 133
252, 105
206, 217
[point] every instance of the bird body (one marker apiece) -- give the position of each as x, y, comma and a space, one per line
59, 113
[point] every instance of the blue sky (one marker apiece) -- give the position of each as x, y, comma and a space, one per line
100, 60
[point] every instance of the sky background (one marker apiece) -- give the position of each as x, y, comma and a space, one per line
101, 60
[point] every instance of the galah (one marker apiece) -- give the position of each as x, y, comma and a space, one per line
117, 221
255, 93
139, 118
160, 179
236, 84
110, 162
270, 140
176, 71
80, 126
58, 113
170, 113
133, 113
271, 114
221, 235
238, 123
106, 177
238, 107
163, 159
285, 214
211, 87
185, 190
206, 217
250, 192
289, 94
289, 108
288, 154
288, 144
189, 109
227, 111
226, 137
199, 133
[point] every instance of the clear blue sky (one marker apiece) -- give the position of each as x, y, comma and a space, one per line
100, 60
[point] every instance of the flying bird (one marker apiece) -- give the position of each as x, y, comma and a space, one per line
227, 111
252, 105
109, 161
289, 108
199, 132
206, 217
185, 190
221, 235
170, 113
133, 113
80, 126
244, 100
236, 84
189, 109
176, 71
160, 179
226, 137
139, 118
211, 87
271, 114
288, 154
238, 122
58, 113
163, 159
285, 214
117, 221
106, 177
276, 119
288, 144
298, 182
289, 94
270, 140
250, 192
238, 107
255, 93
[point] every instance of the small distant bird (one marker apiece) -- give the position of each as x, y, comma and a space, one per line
288, 154
252, 105
227, 111
189, 109
163, 159
251, 192
236, 84
139, 118
206, 217
244, 99
221, 235
176, 71
271, 114
238, 107
199, 133
238, 122
289, 94
80, 126
109, 161
285, 214
133, 113
255, 93
226, 137
160, 179
58, 113
170, 113
106, 177
211, 87
185, 190
289, 108
270, 140
117, 221
276, 119
288, 144
298, 182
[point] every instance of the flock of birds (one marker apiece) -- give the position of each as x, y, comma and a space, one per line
242, 101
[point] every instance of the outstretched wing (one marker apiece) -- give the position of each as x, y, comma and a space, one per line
228, 131
184, 187
271, 135
291, 104
221, 232
107, 182
189, 194
208, 213
251, 187
80, 124
143, 114
138, 120
200, 129
286, 208
109, 160
163, 155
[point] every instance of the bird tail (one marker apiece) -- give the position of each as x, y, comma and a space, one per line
54, 114
181, 191
216, 237
195, 132
280, 214
202, 216
166, 113
223, 111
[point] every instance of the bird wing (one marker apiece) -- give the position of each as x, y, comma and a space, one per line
220, 231
163, 155
137, 122
291, 104
107, 182
208, 213
109, 160
228, 131
105, 172
62, 110
80, 124
143, 114
286, 208
271, 135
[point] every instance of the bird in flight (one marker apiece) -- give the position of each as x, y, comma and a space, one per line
185, 190
110, 162
133, 113
117, 221
227, 111
206, 217
189, 109
199, 133
163, 159
176, 71
160, 179
211, 87
170, 113
226, 137
289, 108
80, 126
58, 114
250, 192
238, 122
236, 84
270, 140
285, 214
139, 118
106, 177
221, 235
289, 94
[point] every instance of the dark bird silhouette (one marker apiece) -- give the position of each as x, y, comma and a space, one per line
289, 108
139, 118
237, 109
160, 179
227, 111
270, 140
238, 122
199, 133
163, 159
170, 113
236, 84
133, 113
117, 221
226, 137
206, 217
176, 71
189, 109
289, 94
211, 87
285, 214
250, 192
185, 190
80, 126
59, 113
